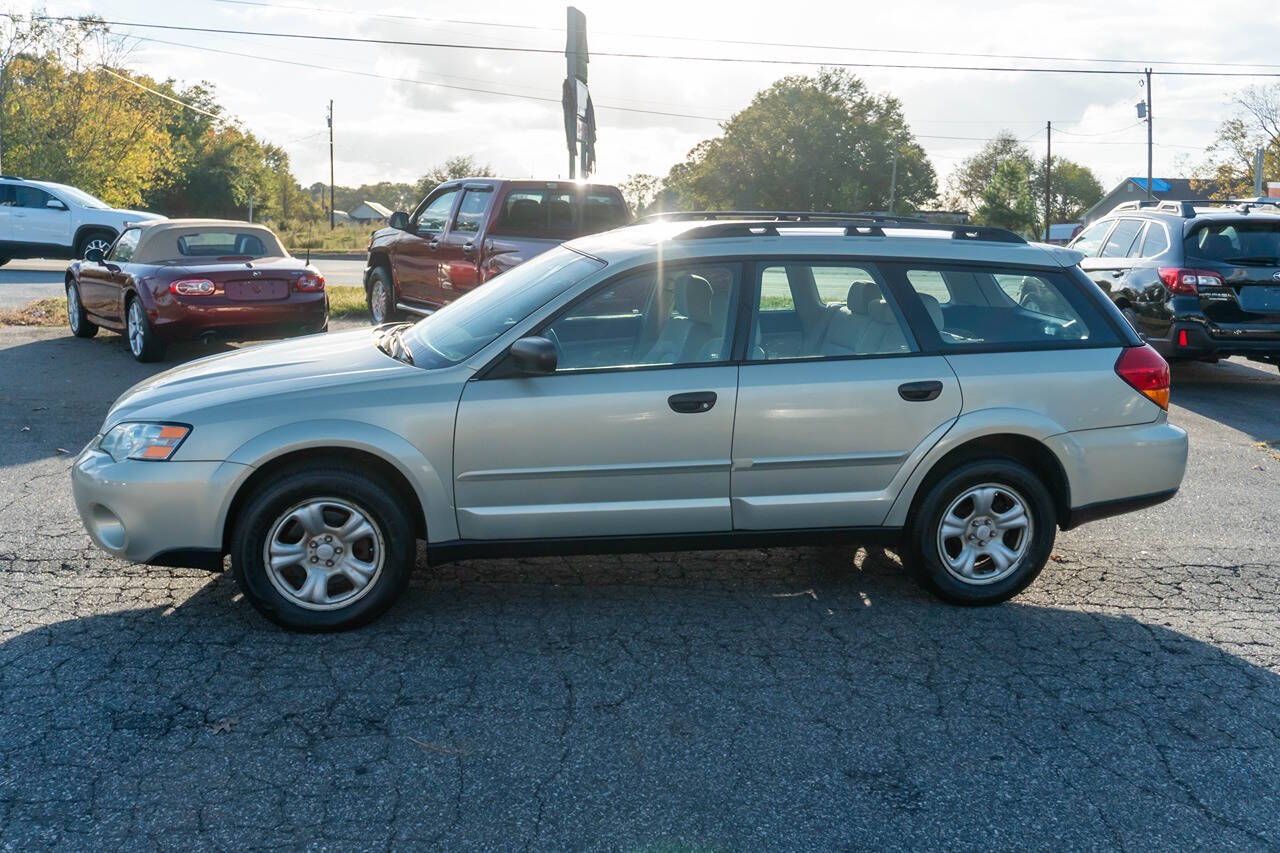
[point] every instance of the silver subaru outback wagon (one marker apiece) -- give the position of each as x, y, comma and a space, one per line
956, 392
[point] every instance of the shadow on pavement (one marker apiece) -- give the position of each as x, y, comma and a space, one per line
1242, 395
677, 701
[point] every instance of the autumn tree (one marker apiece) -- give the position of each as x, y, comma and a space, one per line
461, 166
1229, 166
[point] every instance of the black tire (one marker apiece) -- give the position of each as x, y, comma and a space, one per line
80, 325
924, 549
317, 482
380, 287
4, 261
147, 346
88, 238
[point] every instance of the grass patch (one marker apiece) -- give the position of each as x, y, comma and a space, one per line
346, 302
41, 312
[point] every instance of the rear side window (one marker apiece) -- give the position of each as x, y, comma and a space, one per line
1090, 239
559, 213
1009, 308
1245, 243
1122, 238
1156, 242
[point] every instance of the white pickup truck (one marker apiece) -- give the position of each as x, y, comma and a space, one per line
40, 219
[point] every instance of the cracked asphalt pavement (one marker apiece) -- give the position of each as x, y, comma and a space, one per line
799, 698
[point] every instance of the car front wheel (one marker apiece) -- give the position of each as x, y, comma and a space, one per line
323, 549
982, 533
382, 297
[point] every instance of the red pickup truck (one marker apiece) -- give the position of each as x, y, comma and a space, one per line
469, 230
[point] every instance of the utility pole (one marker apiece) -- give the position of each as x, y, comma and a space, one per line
331, 216
1257, 172
893, 180
1150, 117
1048, 177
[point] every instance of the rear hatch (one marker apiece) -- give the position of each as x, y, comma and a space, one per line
1245, 253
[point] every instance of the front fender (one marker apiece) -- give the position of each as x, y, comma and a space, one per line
431, 489
968, 427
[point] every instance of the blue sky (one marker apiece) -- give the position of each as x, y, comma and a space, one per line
397, 130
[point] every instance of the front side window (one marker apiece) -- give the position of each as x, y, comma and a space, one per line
1000, 307
30, 197
122, 251
470, 215
1122, 238
1090, 239
662, 316
434, 216
469, 324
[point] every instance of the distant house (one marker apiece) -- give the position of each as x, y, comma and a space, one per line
1135, 189
367, 212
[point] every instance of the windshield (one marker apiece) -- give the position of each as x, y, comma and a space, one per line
464, 327
80, 197
1246, 243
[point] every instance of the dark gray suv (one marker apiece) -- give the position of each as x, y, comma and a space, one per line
1196, 281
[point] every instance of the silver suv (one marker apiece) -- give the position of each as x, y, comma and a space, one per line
675, 385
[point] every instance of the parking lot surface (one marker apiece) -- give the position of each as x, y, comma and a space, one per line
798, 698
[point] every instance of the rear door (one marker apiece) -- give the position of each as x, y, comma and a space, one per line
630, 436
1113, 260
831, 419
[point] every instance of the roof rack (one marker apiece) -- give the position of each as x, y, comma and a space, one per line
853, 227
1135, 205
1191, 209
775, 215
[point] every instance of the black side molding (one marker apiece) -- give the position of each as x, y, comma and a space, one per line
1105, 509
477, 549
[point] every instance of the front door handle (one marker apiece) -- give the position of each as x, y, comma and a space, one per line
468, 249
692, 403
920, 392
433, 245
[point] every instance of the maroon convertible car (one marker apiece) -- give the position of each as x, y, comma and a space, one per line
181, 279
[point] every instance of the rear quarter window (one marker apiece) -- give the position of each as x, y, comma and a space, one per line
559, 213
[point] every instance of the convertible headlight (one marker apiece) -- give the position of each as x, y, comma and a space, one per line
152, 442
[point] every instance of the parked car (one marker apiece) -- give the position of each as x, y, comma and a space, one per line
467, 231
667, 386
181, 279
1197, 281
41, 219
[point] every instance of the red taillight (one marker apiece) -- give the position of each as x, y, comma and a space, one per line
1180, 280
191, 287
1182, 337
1148, 373
309, 282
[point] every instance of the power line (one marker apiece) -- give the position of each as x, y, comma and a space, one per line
160, 94
666, 57
746, 42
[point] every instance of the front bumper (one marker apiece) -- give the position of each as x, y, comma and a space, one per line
169, 513
1120, 469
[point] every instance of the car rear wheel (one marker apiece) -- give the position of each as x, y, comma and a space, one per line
144, 343
80, 325
323, 549
982, 533
382, 297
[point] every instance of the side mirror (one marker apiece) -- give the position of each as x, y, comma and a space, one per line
54, 204
534, 356
93, 256
399, 220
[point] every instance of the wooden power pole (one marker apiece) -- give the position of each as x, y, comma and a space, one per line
331, 214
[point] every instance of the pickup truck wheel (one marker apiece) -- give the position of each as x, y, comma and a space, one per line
982, 533
80, 325
382, 297
100, 240
323, 548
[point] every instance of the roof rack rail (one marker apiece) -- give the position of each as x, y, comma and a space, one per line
774, 215
1136, 204
853, 227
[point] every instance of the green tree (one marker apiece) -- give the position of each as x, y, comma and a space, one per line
971, 179
1007, 201
462, 166
640, 191
819, 142
1074, 189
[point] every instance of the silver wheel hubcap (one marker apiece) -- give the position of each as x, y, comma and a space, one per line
137, 326
99, 244
984, 534
380, 302
323, 554
73, 308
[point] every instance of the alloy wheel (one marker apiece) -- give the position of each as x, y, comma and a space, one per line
137, 328
380, 302
96, 243
324, 553
984, 534
73, 307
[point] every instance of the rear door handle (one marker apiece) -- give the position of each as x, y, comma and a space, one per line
692, 403
920, 392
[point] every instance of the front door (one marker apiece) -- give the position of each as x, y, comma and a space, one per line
459, 250
34, 222
415, 262
101, 284
630, 436
830, 416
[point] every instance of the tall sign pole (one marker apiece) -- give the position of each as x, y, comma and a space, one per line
579, 115
1048, 177
331, 216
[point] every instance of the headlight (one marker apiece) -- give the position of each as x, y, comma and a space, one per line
153, 442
